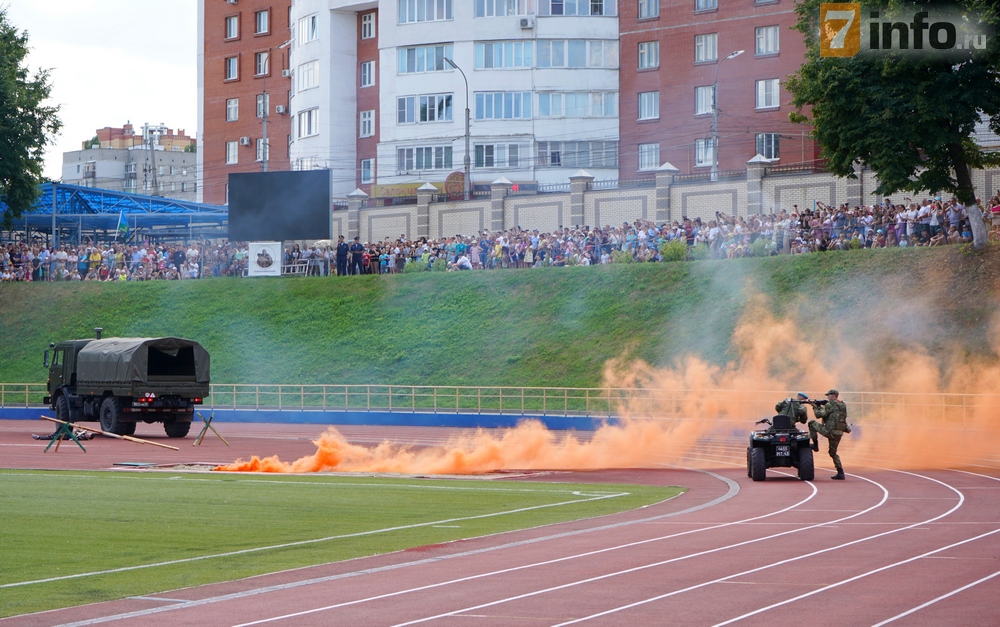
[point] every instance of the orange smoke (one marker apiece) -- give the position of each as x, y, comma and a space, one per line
924, 412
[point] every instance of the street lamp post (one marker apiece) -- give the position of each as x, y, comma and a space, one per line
715, 116
468, 158
265, 105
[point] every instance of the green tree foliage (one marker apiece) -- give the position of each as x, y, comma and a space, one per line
909, 117
674, 250
25, 125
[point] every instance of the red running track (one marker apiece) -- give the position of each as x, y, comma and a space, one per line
883, 547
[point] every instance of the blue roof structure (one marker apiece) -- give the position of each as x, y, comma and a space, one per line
92, 209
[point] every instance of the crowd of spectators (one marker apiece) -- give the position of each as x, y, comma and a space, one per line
930, 222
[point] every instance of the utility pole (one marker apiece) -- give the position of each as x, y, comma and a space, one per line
715, 116
266, 105
468, 158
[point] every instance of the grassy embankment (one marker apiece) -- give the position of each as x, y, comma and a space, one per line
539, 327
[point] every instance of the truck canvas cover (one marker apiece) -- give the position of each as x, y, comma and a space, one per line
143, 359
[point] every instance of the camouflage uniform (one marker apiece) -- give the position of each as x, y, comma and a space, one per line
834, 426
793, 409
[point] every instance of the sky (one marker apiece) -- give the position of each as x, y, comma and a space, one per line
112, 62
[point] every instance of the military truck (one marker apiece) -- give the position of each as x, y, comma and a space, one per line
121, 381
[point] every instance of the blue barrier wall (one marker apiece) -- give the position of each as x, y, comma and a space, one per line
486, 421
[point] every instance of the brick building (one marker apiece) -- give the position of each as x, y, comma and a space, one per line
243, 56
671, 53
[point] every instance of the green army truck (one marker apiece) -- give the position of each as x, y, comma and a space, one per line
121, 381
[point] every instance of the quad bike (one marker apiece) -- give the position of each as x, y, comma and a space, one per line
781, 445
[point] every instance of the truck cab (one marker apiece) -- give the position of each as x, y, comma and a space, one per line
62, 368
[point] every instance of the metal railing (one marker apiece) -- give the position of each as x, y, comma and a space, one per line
621, 184
736, 406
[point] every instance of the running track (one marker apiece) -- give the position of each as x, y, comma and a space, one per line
885, 547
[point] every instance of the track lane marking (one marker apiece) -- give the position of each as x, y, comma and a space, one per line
940, 598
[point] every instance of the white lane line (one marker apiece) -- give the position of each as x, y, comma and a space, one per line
882, 501
522, 567
731, 492
286, 545
940, 598
961, 501
975, 474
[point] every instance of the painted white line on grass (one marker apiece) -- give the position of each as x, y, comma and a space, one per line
733, 490
940, 598
286, 545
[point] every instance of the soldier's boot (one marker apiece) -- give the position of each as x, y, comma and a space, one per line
815, 444
840, 475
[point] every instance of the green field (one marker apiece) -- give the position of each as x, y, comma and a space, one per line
546, 327
164, 531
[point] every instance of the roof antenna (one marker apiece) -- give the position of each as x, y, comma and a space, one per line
98, 331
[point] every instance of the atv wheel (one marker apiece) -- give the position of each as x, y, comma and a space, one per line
176, 428
111, 420
806, 472
62, 408
758, 464
749, 473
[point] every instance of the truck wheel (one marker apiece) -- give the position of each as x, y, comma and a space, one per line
62, 408
806, 471
758, 464
111, 410
176, 428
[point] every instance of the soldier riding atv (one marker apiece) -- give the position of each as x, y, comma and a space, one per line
780, 445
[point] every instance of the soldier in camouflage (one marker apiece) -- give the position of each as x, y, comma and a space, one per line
792, 407
834, 426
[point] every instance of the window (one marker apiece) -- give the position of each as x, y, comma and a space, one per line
232, 109
498, 155
649, 8
368, 26
649, 105
263, 105
706, 47
308, 75
503, 105
309, 123
702, 152
767, 145
232, 27
767, 40
232, 152
308, 29
432, 108
160, 170
367, 73
423, 59
367, 125
706, 5
423, 158
767, 93
367, 170
260, 64
578, 104
172, 171
649, 55
649, 156
261, 22
577, 7
497, 8
704, 100
232, 68
129, 168
596, 154
262, 150
503, 54
411, 11
577, 53
130, 185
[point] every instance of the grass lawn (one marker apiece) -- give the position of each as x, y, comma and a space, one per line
64, 531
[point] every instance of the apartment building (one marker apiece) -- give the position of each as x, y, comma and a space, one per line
673, 54
244, 89
381, 89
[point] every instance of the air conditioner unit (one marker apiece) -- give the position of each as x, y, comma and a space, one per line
527, 22
280, 109
286, 73
244, 141
230, 1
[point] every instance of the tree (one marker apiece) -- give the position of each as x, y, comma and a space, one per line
26, 126
908, 117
